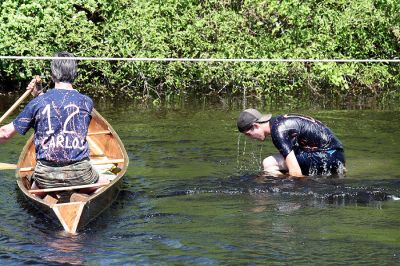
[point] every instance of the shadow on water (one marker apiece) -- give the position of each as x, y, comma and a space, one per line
327, 190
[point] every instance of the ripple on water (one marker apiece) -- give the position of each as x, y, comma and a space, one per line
339, 191
184, 202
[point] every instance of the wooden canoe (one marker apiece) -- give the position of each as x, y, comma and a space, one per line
107, 151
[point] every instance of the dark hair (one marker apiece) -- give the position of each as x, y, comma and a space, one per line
63, 70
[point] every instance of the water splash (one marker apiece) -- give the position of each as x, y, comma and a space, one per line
327, 190
394, 197
248, 159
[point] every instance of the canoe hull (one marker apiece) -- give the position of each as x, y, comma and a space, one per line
73, 216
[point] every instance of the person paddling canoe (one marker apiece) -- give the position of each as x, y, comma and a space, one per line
60, 118
306, 146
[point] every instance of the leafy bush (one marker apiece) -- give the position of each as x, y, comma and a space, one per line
207, 29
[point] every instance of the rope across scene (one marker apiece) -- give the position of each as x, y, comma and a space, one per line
234, 60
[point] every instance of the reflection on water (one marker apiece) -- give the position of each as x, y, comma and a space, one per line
193, 194
64, 248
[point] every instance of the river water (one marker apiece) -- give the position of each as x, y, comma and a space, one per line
193, 194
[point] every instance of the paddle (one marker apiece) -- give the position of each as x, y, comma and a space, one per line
18, 102
4, 166
7, 166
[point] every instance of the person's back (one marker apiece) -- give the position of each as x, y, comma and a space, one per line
293, 131
60, 118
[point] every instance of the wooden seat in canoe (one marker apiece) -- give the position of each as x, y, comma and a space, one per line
93, 162
56, 189
104, 132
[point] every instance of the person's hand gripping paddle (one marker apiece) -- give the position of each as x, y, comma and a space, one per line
34, 88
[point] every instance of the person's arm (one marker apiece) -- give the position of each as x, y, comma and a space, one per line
293, 165
7, 132
26, 119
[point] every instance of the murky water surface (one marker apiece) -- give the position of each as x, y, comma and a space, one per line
193, 194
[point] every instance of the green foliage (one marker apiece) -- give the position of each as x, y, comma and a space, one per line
207, 29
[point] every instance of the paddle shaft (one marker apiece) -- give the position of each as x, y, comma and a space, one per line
37, 84
15, 105
7, 166
4, 166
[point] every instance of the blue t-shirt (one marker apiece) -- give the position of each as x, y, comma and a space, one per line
60, 119
291, 132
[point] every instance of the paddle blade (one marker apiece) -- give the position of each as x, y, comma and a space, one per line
7, 166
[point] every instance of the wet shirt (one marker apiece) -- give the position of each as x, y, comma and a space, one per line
60, 119
292, 132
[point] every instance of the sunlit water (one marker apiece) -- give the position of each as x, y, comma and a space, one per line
193, 194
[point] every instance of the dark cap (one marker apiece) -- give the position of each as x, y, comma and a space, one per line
250, 116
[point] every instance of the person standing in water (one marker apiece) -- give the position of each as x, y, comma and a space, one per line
306, 146
60, 118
